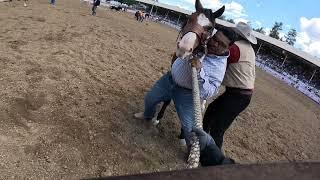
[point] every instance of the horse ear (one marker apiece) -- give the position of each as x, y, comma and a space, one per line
198, 5
218, 13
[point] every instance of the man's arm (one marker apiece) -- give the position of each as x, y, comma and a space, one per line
211, 76
234, 54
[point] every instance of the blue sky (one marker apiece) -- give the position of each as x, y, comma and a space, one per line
302, 15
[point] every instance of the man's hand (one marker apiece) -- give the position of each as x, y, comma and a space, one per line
195, 62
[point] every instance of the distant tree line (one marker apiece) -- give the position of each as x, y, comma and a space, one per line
289, 38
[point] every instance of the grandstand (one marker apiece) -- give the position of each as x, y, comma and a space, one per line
297, 67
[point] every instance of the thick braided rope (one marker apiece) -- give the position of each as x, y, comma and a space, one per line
194, 156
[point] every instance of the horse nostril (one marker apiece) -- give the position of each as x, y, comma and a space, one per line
178, 44
190, 50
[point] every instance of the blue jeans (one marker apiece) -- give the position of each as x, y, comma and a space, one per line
53, 2
166, 89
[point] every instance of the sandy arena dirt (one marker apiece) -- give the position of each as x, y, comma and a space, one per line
70, 83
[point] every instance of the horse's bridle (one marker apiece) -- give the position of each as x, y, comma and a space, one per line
202, 33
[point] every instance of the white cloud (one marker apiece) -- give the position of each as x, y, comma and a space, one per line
314, 48
267, 30
281, 35
233, 10
309, 37
257, 24
303, 38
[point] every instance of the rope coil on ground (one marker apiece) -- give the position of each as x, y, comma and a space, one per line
194, 156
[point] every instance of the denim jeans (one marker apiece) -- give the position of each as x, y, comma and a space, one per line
53, 2
166, 89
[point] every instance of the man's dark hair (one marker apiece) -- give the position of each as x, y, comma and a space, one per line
229, 33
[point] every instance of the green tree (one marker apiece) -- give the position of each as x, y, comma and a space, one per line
291, 37
275, 30
260, 30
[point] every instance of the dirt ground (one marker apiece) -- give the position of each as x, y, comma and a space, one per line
70, 83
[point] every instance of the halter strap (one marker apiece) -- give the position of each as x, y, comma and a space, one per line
202, 34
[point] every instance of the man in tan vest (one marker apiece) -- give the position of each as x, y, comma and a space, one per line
239, 81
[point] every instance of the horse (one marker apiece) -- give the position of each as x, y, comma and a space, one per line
195, 31
140, 16
193, 36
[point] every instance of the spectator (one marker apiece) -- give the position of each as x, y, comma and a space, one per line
96, 3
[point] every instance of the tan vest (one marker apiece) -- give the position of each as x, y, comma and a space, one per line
242, 74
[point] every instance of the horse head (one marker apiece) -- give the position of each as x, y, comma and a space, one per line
197, 29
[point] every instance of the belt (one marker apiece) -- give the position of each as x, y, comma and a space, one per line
239, 90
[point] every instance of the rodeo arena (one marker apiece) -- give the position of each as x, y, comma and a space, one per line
96, 89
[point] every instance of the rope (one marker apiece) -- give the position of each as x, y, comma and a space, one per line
194, 156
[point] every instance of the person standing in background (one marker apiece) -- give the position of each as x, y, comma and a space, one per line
96, 3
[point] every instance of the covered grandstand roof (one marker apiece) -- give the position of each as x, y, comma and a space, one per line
165, 6
312, 59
